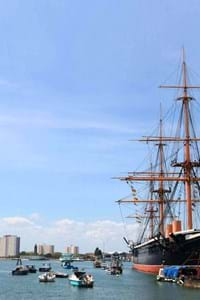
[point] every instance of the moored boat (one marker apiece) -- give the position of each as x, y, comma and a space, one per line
81, 279
31, 268
60, 275
189, 276
20, 269
47, 277
67, 265
46, 267
66, 257
97, 263
116, 266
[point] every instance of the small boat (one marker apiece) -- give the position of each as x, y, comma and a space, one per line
67, 265
171, 274
189, 276
66, 260
46, 267
31, 268
97, 263
66, 257
116, 265
114, 271
47, 277
81, 279
20, 269
60, 275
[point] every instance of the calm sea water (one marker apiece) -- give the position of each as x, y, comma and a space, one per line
130, 285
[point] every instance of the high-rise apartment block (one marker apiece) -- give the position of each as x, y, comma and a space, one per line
45, 249
73, 250
9, 245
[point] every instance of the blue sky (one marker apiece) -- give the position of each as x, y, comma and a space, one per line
78, 79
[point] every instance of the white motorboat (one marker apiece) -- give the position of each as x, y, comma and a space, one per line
47, 277
81, 279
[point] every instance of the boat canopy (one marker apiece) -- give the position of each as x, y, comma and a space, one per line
172, 271
79, 273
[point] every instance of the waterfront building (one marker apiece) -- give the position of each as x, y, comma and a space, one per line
45, 249
9, 246
72, 250
35, 249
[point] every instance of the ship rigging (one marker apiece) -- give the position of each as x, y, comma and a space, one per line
170, 229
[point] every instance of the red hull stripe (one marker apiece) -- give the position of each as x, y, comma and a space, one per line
147, 268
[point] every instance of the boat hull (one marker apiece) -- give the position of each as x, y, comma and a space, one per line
80, 283
19, 272
153, 269
151, 257
75, 282
46, 280
81, 279
47, 277
61, 275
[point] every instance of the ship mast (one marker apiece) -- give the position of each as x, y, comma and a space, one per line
161, 190
187, 177
187, 164
151, 210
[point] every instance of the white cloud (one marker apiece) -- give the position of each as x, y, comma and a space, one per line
36, 119
106, 234
17, 221
64, 223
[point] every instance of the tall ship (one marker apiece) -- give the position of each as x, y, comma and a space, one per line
165, 196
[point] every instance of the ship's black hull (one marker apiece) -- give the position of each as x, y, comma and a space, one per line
179, 250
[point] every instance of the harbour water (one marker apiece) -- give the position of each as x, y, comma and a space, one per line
130, 285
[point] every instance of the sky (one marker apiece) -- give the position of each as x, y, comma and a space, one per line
78, 80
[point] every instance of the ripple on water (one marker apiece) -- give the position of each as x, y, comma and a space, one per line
131, 285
